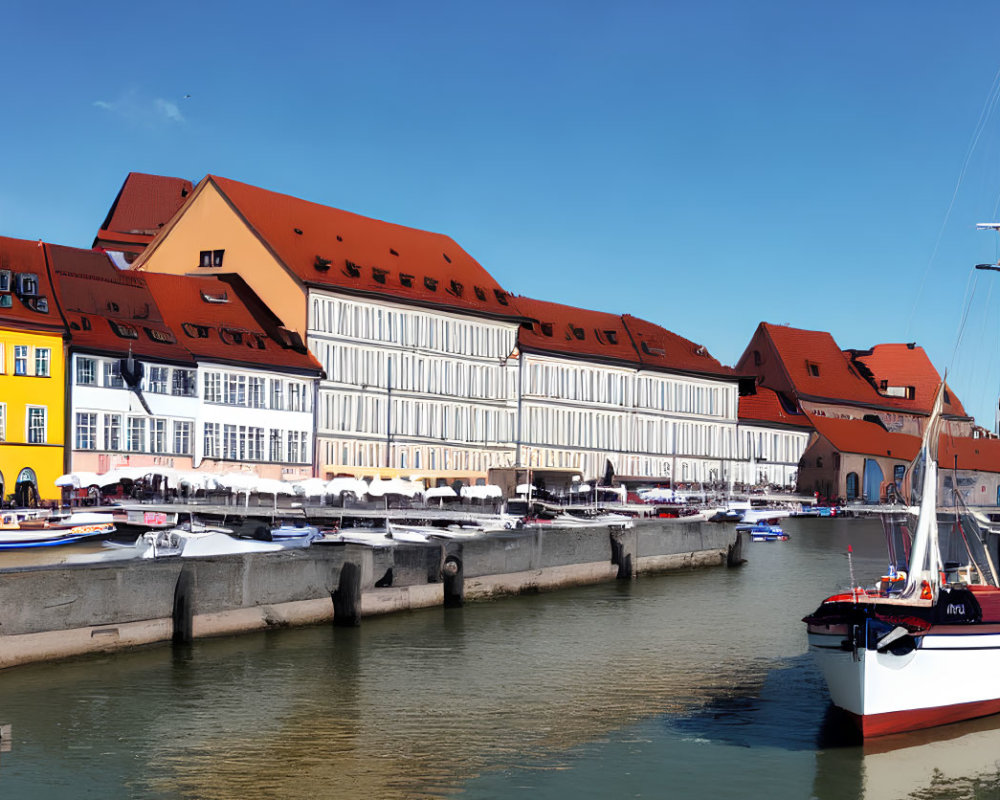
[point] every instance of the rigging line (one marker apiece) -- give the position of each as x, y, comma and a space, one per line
984, 115
983, 337
969, 294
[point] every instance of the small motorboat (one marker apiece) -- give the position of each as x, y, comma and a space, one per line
764, 532
19, 529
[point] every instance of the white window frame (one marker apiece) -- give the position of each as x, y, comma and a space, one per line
28, 415
43, 361
21, 355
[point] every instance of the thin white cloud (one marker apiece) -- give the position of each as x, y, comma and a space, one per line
134, 107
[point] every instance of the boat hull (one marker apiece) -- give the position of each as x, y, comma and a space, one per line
947, 677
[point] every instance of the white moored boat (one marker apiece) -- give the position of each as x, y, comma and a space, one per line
922, 648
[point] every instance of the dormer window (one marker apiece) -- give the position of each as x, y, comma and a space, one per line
577, 333
456, 289
322, 264
26, 284
606, 337
378, 275
4, 280
406, 280
123, 331
230, 336
480, 293
160, 336
431, 284
214, 298
547, 328
812, 368
195, 331
211, 258
6, 301
501, 296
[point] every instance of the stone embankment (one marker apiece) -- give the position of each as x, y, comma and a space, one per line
52, 612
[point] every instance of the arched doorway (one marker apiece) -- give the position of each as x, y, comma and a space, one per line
852, 487
26, 489
873, 481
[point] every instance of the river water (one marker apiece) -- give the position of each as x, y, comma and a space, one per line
694, 684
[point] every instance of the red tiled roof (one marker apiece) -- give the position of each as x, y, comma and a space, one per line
23, 257
109, 310
766, 406
556, 328
209, 319
325, 246
818, 369
662, 349
865, 438
144, 204
978, 454
907, 365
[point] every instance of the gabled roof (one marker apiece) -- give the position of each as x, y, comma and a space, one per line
108, 310
27, 300
865, 438
907, 365
766, 407
565, 330
819, 370
144, 204
659, 348
327, 247
209, 318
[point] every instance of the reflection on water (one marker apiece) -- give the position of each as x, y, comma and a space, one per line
697, 681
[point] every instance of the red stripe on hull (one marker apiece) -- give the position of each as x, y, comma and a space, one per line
915, 719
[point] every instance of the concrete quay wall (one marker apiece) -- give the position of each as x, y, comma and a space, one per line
51, 612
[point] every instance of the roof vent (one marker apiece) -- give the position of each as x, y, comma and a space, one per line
393, 252
501, 297
406, 280
576, 333
431, 284
547, 328
340, 238
378, 275
351, 270
298, 231
480, 292
230, 336
85, 323
446, 257
652, 351
322, 264
455, 289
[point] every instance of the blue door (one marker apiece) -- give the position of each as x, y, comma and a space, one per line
873, 481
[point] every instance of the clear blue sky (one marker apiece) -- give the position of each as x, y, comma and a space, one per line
705, 165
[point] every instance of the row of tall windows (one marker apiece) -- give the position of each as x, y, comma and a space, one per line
252, 443
102, 372
462, 422
252, 391
132, 434
28, 360
412, 372
772, 446
588, 384
430, 457
588, 428
411, 328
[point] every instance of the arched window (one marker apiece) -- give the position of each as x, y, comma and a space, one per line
852, 486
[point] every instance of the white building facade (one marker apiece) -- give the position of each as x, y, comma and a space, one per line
412, 389
647, 424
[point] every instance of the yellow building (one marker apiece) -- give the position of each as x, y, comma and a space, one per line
32, 376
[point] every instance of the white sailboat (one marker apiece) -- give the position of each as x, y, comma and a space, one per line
921, 648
